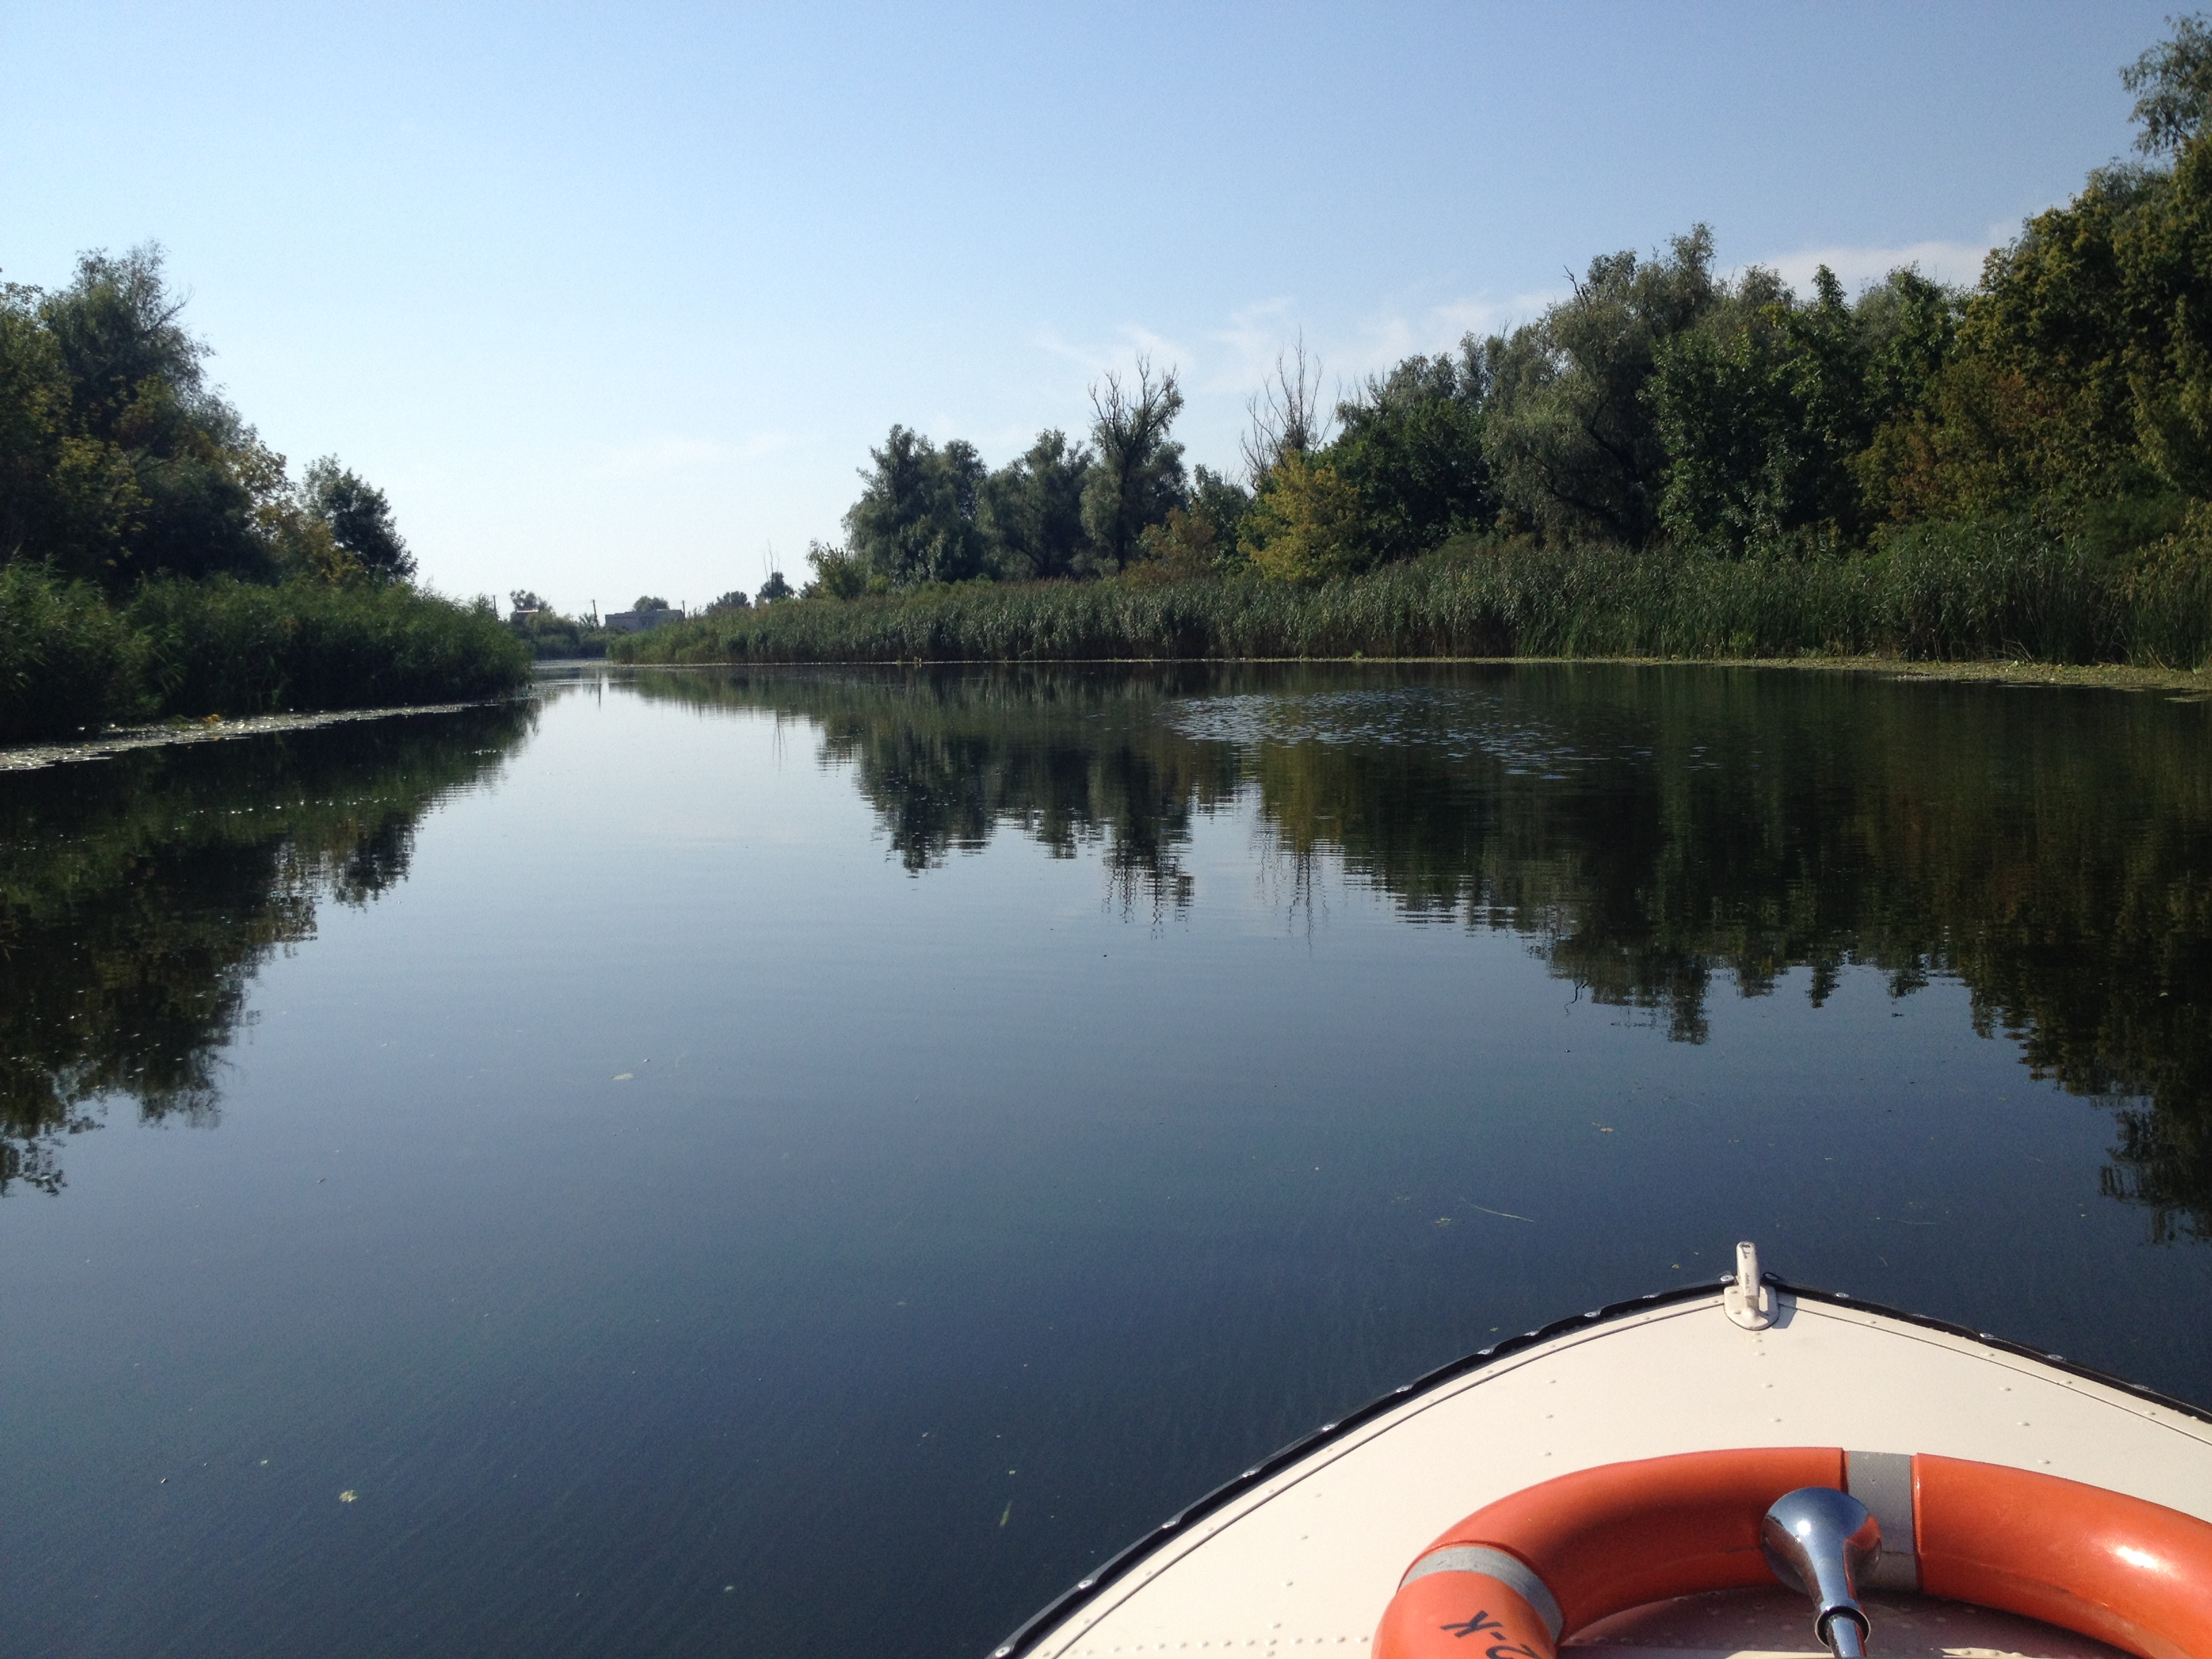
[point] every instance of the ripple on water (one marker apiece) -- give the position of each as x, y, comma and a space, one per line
1464, 722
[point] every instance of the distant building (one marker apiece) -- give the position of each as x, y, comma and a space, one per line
640, 622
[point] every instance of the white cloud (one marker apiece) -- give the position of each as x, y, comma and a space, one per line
1392, 335
1247, 346
1960, 263
1233, 360
1250, 342
1119, 357
1262, 330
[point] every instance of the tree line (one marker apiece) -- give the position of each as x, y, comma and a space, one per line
157, 558
1661, 402
120, 462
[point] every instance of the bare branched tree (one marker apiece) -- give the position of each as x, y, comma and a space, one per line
1139, 474
1288, 416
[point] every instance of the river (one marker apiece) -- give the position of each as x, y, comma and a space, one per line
810, 1162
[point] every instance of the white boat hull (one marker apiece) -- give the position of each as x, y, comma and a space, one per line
1303, 1554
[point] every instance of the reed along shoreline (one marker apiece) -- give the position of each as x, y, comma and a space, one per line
1976, 593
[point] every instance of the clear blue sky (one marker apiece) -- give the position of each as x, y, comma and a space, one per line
616, 298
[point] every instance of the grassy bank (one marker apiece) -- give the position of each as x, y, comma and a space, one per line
71, 659
1938, 592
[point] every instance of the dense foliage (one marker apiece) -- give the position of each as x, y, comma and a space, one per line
1662, 409
155, 555
118, 461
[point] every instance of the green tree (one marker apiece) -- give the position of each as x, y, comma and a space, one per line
1571, 438
201, 482
117, 329
119, 462
1768, 405
2173, 84
1305, 523
2165, 256
359, 519
1764, 404
774, 588
1032, 510
915, 519
1411, 448
1139, 474
1222, 504
1182, 548
2083, 364
1909, 325
64, 497
837, 574
1720, 399
2082, 371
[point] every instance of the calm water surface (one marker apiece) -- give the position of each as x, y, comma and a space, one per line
810, 1162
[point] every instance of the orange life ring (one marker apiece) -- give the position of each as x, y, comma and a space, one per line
1515, 1577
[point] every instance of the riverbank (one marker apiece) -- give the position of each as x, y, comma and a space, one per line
72, 660
2187, 685
2194, 685
1983, 593
122, 739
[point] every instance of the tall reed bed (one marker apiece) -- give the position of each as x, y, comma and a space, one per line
67, 659
1962, 592
227, 647
71, 659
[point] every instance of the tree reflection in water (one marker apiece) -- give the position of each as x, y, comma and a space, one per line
1650, 830
140, 894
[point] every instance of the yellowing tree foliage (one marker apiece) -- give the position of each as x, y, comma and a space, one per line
1305, 523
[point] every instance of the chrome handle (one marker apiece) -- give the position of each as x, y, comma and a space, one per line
1821, 1541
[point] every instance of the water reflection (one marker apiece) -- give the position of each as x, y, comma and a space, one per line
1652, 832
1072, 760
140, 894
